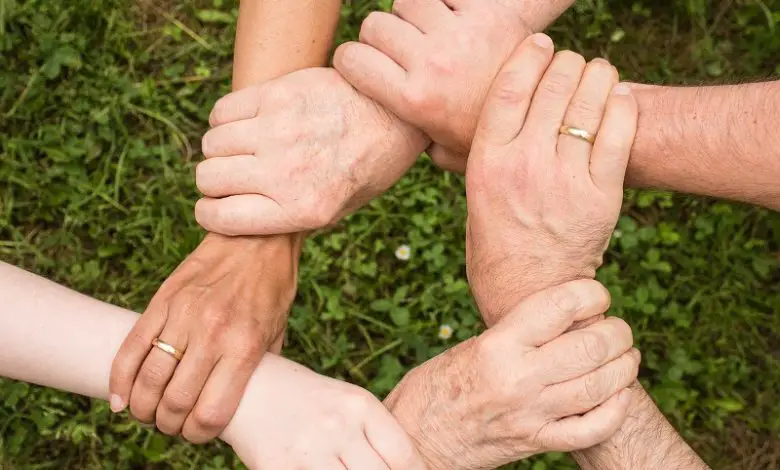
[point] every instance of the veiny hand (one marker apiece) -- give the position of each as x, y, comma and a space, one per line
432, 62
293, 419
543, 205
224, 306
297, 154
524, 386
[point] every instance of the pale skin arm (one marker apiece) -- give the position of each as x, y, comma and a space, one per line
227, 303
718, 141
55, 337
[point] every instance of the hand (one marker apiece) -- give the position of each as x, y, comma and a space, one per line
543, 205
524, 386
293, 419
297, 154
432, 62
224, 306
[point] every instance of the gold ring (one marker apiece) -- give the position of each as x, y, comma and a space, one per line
168, 349
581, 134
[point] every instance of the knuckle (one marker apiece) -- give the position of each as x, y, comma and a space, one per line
508, 88
208, 144
178, 401
594, 347
218, 112
596, 389
622, 332
210, 417
369, 28
565, 299
204, 177
586, 110
401, 5
557, 84
360, 401
153, 376
441, 64
417, 98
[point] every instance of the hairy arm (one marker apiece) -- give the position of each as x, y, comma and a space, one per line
646, 441
718, 141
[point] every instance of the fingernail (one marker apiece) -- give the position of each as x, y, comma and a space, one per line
622, 89
116, 403
543, 41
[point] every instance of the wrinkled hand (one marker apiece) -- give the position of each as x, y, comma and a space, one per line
524, 386
543, 205
293, 419
224, 306
432, 62
298, 153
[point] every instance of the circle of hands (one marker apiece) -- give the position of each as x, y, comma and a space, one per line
472, 83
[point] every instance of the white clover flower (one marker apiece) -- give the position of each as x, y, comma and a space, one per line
617, 234
445, 332
403, 253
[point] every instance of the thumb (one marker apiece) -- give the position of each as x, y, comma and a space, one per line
547, 314
245, 214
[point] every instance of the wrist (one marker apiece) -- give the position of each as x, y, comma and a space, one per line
646, 441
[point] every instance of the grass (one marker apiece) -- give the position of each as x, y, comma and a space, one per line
102, 104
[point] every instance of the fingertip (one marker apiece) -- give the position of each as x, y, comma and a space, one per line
622, 89
209, 215
542, 40
117, 403
341, 56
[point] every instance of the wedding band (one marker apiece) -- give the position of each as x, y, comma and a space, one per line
581, 134
168, 349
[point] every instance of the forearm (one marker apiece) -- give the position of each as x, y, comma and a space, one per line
58, 338
716, 141
646, 441
276, 37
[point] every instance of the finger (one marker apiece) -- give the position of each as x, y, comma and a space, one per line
229, 176
392, 36
447, 159
233, 138
616, 137
278, 344
581, 395
236, 106
507, 103
391, 442
426, 15
156, 372
373, 74
595, 427
219, 399
183, 390
245, 214
546, 315
585, 112
362, 456
553, 96
580, 352
132, 354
